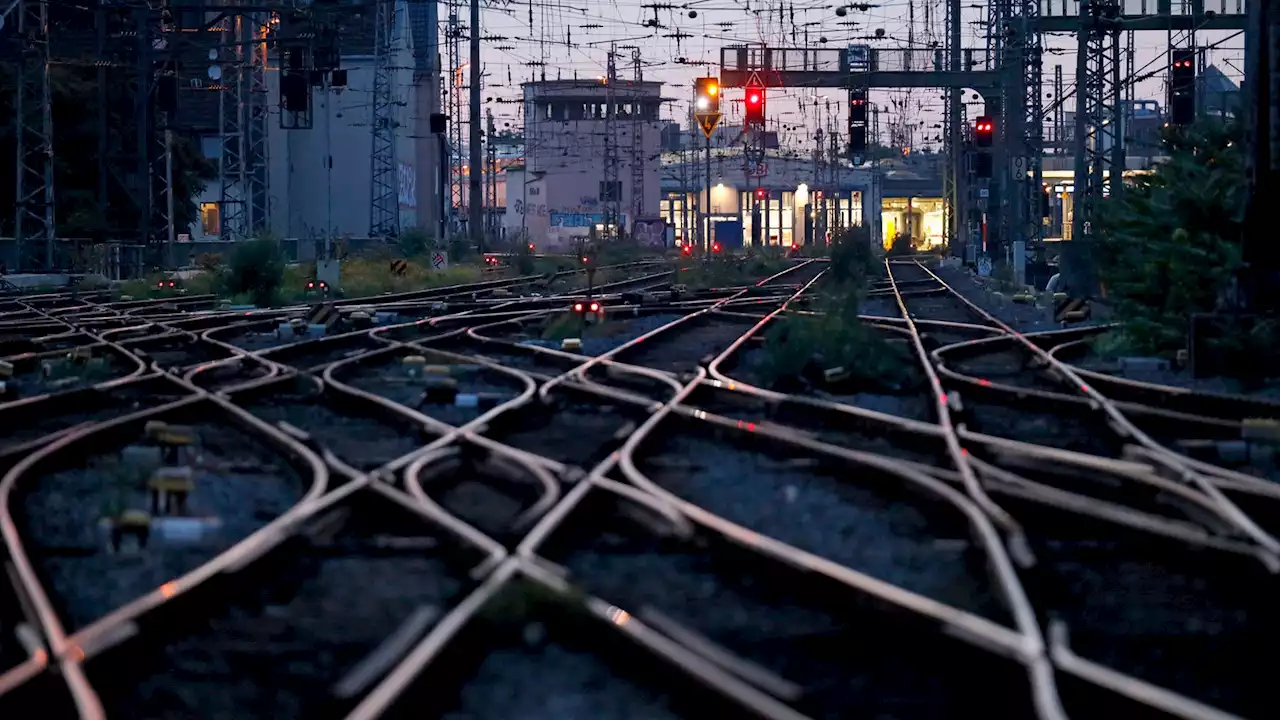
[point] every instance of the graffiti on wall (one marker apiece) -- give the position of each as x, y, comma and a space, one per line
523, 208
407, 186
576, 220
651, 233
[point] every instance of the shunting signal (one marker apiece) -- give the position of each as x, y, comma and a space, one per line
983, 131
707, 95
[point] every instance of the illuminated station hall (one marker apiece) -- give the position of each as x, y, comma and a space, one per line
799, 201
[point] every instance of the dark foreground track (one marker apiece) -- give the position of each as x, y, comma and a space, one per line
450, 514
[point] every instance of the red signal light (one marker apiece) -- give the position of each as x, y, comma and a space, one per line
531, 248
311, 286
687, 250
160, 284
172, 284
595, 307
715, 247
753, 98
760, 193
577, 307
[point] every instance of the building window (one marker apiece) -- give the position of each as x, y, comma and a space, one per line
210, 219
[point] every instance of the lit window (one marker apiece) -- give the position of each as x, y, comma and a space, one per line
210, 219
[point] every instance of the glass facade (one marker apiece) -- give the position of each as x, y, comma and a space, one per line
781, 218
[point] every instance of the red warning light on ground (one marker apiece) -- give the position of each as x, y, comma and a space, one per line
687, 250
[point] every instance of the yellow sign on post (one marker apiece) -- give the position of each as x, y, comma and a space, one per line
708, 122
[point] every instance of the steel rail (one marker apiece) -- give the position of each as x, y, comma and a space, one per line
1183, 470
1031, 650
1020, 549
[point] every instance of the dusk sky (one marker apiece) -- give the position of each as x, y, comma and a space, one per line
575, 41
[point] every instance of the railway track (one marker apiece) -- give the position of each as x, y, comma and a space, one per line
451, 511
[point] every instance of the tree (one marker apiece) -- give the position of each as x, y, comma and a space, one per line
1170, 244
78, 212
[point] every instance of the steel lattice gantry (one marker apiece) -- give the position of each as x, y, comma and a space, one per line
1028, 222
1099, 141
33, 213
610, 192
455, 109
637, 143
242, 166
384, 214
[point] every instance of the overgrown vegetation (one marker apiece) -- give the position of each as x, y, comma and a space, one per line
256, 270
727, 271
362, 277
800, 348
1169, 247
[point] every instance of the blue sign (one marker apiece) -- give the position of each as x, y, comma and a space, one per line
562, 219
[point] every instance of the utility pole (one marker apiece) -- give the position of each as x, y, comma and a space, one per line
384, 206
34, 198
453, 100
1262, 105
611, 190
475, 198
1098, 137
955, 193
707, 213
492, 164
639, 123
811, 211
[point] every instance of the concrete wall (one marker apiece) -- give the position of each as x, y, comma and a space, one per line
564, 160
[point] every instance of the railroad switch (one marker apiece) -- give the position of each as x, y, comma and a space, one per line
571, 344
1024, 299
835, 374
134, 524
482, 401
169, 488
414, 365
501, 293
360, 320
1261, 430
440, 391
172, 439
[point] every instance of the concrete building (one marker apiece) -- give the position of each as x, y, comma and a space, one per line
306, 196
560, 192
